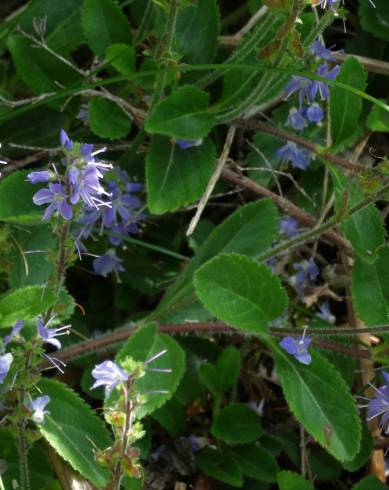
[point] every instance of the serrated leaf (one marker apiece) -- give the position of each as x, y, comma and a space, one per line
40, 70
16, 204
236, 424
370, 483
346, 107
143, 345
202, 17
370, 289
223, 375
74, 430
238, 233
24, 304
122, 58
365, 451
375, 20
182, 115
321, 401
241, 292
171, 416
287, 480
107, 120
219, 465
177, 177
257, 463
104, 23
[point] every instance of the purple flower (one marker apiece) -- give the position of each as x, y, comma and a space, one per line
5, 364
320, 51
55, 196
107, 263
306, 274
38, 406
14, 332
185, 144
289, 226
301, 85
108, 374
322, 88
379, 406
296, 119
48, 335
298, 157
298, 348
41, 176
325, 312
85, 185
66, 142
314, 113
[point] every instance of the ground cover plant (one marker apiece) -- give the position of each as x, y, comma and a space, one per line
193, 244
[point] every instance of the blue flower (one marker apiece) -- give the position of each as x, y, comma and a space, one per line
85, 185
296, 119
14, 332
325, 312
298, 157
379, 406
185, 144
298, 348
55, 196
108, 263
301, 85
306, 275
289, 226
66, 142
38, 406
108, 374
321, 52
48, 335
5, 364
314, 113
41, 176
322, 88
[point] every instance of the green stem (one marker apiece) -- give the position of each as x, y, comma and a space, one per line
144, 23
170, 30
23, 455
318, 230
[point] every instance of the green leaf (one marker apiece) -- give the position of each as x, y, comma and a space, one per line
104, 24
143, 345
177, 177
257, 463
182, 115
172, 417
346, 107
378, 120
107, 120
321, 401
364, 229
323, 466
202, 17
375, 20
32, 268
370, 483
238, 233
241, 292
24, 304
40, 70
367, 446
236, 424
62, 20
74, 431
223, 375
219, 465
16, 204
122, 58
370, 289
287, 480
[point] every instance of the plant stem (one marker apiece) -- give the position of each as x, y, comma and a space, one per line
23, 457
170, 29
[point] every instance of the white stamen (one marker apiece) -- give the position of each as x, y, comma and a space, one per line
156, 356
